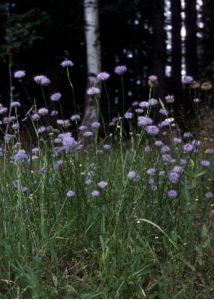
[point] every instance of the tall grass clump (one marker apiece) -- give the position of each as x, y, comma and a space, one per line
127, 213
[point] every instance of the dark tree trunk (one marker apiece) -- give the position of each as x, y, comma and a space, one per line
191, 38
159, 43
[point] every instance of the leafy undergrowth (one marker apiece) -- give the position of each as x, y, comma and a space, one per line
128, 215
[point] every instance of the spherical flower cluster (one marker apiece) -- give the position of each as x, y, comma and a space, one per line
187, 148
70, 194
103, 76
42, 80
187, 134
102, 184
209, 195
205, 163
144, 104
152, 80
19, 74
95, 125
153, 102
144, 121
20, 156
95, 193
176, 140
152, 130
172, 194
133, 175
67, 63
54, 113
43, 111
35, 117
3, 110
88, 134
187, 80
106, 147
75, 117
128, 115
55, 97
167, 158
15, 104
120, 70
173, 177
170, 99
151, 171
163, 112
147, 149
93, 91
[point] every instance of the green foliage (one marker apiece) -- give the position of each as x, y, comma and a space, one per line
21, 31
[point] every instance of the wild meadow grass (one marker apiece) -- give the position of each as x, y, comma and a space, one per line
124, 214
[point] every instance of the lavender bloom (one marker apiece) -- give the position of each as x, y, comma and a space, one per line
172, 194
15, 126
106, 147
3, 110
88, 134
67, 63
35, 117
167, 158
93, 91
42, 129
19, 74
43, 111
128, 115
158, 143
187, 80
173, 177
152, 130
95, 193
20, 156
42, 80
58, 165
209, 195
102, 184
163, 112
144, 104
35, 150
120, 70
176, 140
67, 141
177, 169
139, 110
147, 149
54, 113
75, 117
165, 149
151, 171
187, 135
183, 162
82, 127
144, 121
187, 148
153, 102
95, 125
132, 175
161, 173
70, 194
135, 103
103, 76
15, 104
170, 99
153, 80
205, 163
164, 123
55, 97
151, 181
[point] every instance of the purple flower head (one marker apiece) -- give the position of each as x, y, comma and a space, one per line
120, 70
147, 149
183, 162
187, 148
187, 134
54, 113
153, 102
103, 76
20, 156
139, 110
93, 91
128, 115
173, 177
132, 175
144, 104
151, 171
170, 99
70, 194
19, 74
75, 117
158, 143
152, 80
3, 110
187, 80
42, 80
106, 147
35, 150
161, 173
43, 111
15, 104
15, 126
152, 130
205, 163
102, 184
163, 112
95, 125
82, 127
167, 158
66, 63
177, 169
55, 97
209, 195
95, 193
176, 140
144, 121
42, 129
172, 194
88, 134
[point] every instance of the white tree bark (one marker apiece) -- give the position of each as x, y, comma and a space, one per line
93, 55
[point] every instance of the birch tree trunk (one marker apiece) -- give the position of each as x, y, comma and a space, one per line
92, 38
